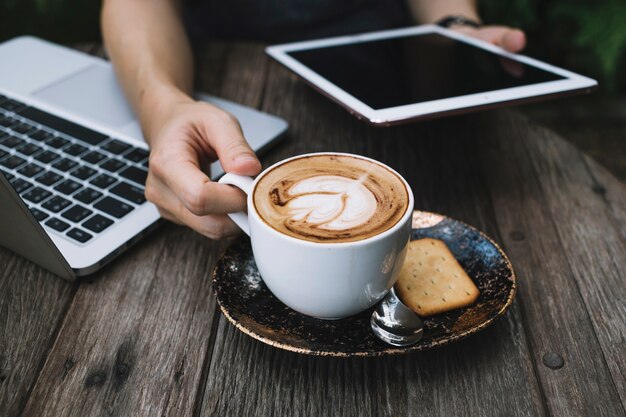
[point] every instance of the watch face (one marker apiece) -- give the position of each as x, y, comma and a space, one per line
460, 20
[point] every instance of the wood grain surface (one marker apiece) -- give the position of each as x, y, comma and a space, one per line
143, 337
553, 303
33, 303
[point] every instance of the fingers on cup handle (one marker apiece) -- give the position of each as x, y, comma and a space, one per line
242, 182
197, 192
170, 207
245, 184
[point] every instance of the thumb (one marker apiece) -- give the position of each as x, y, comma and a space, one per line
513, 40
232, 149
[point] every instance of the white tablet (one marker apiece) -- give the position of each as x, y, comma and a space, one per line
405, 74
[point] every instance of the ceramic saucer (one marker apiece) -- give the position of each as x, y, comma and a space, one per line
247, 303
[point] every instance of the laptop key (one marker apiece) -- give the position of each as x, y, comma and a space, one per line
76, 213
28, 149
103, 181
65, 165
22, 128
12, 105
49, 178
7, 121
57, 224
137, 155
129, 192
87, 195
46, 157
57, 142
93, 157
41, 135
62, 125
112, 165
116, 147
135, 174
56, 204
114, 207
38, 214
3, 153
11, 141
75, 149
30, 170
79, 235
83, 172
12, 162
68, 187
6, 174
20, 185
36, 195
97, 223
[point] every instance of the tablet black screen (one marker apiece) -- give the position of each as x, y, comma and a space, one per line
394, 72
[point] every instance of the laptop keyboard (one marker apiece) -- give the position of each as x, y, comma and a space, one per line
75, 181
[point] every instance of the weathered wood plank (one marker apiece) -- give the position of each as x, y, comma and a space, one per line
32, 305
595, 124
249, 378
520, 159
135, 340
593, 239
234, 72
613, 194
474, 377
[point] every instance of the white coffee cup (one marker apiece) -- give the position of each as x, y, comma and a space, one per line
323, 280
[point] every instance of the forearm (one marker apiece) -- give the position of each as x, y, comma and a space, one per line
430, 11
147, 44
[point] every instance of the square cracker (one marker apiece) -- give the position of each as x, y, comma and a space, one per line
432, 281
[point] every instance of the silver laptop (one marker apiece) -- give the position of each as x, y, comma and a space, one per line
73, 159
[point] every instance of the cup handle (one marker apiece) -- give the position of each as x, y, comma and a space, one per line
244, 184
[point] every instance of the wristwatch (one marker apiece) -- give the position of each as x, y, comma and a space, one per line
457, 19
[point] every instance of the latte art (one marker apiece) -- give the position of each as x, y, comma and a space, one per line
331, 202
330, 198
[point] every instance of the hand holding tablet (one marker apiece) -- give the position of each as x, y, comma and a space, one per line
399, 75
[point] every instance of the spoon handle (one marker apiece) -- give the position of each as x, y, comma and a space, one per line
394, 323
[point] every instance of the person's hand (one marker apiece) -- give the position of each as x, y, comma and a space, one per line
513, 40
190, 137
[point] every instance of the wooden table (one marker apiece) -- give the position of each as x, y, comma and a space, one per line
144, 336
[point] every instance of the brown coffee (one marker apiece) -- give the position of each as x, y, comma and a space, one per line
330, 198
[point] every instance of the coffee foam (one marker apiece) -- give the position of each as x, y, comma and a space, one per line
331, 202
330, 198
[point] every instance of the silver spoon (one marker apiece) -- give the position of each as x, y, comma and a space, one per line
394, 323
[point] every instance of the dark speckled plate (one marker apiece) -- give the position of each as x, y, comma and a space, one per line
253, 309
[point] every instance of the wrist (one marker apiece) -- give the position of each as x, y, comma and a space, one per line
157, 105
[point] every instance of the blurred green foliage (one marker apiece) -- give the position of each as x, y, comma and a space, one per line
587, 36
602, 30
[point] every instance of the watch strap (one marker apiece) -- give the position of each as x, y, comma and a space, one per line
459, 20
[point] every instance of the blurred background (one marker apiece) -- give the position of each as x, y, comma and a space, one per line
588, 37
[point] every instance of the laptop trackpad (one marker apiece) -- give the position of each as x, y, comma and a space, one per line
92, 93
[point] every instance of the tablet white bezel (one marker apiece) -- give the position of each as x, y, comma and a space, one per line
392, 115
